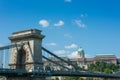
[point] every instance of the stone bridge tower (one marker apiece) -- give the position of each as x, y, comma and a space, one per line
27, 56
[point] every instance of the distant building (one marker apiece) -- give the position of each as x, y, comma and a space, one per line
82, 61
106, 58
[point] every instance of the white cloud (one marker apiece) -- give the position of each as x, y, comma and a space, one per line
83, 15
68, 0
72, 46
67, 35
44, 23
60, 52
51, 44
80, 23
73, 55
60, 23
87, 56
1, 45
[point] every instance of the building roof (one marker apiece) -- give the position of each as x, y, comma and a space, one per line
80, 49
105, 57
113, 56
89, 59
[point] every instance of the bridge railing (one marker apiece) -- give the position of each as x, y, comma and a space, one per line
4, 58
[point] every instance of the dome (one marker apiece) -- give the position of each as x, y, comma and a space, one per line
81, 53
80, 50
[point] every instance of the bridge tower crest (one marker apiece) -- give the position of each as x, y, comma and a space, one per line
29, 55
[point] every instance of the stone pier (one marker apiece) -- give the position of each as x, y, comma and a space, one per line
28, 56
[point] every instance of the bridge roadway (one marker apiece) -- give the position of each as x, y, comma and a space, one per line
43, 73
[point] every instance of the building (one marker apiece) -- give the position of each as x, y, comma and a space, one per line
82, 61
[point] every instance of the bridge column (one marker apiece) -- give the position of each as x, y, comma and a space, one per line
28, 56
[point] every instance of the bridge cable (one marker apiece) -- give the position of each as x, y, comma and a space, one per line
76, 67
55, 62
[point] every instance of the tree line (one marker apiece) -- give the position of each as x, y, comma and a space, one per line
99, 66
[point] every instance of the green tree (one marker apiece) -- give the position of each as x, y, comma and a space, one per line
56, 78
103, 67
71, 78
107, 71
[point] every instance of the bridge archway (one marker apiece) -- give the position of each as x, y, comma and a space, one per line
28, 55
21, 58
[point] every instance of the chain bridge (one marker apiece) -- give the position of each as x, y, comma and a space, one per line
26, 59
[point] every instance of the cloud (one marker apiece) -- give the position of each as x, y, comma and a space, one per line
80, 23
60, 52
87, 56
44, 23
60, 23
83, 15
1, 45
51, 44
73, 54
72, 46
67, 35
68, 0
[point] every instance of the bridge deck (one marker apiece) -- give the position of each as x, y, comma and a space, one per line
38, 73
41, 73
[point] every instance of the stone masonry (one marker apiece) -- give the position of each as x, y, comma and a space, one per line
29, 55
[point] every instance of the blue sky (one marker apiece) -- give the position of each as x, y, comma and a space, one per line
68, 25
